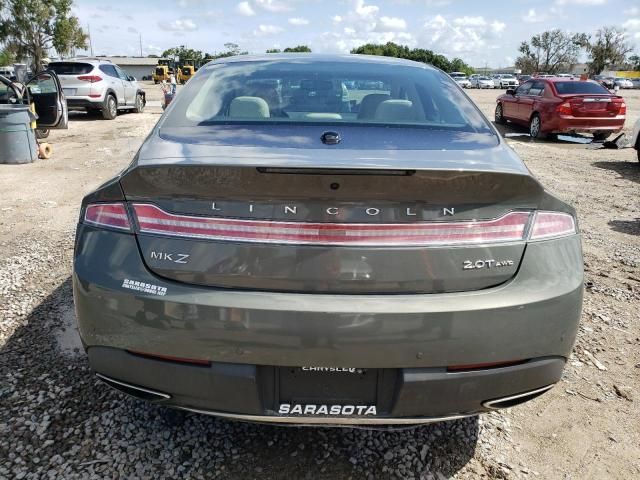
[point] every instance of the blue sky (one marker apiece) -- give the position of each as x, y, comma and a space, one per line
479, 31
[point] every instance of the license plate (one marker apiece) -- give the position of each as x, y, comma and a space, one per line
69, 91
327, 392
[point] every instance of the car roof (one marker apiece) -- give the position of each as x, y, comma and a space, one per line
320, 57
93, 61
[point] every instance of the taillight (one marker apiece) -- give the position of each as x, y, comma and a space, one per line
90, 78
564, 109
552, 224
112, 215
508, 228
619, 107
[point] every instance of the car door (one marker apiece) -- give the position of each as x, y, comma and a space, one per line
527, 103
44, 91
129, 87
509, 106
114, 82
521, 96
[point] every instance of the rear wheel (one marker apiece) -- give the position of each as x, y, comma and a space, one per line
139, 105
535, 127
499, 116
600, 137
110, 109
42, 133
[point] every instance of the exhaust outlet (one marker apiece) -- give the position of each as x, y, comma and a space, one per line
513, 400
134, 390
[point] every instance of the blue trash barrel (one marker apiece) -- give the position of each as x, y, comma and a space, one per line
17, 138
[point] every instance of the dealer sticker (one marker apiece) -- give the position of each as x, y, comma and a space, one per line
144, 287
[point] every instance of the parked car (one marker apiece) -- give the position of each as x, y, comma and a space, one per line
482, 82
97, 85
635, 138
636, 82
622, 82
505, 80
463, 82
523, 78
461, 79
45, 92
282, 258
606, 82
557, 105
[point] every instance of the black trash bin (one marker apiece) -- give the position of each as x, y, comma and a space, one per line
17, 138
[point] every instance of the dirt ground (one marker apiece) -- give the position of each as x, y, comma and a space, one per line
587, 427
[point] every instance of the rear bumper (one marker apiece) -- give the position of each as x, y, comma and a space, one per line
81, 103
250, 392
588, 125
532, 317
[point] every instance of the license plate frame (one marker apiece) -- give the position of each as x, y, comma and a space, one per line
69, 92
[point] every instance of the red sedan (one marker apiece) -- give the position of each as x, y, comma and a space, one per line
560, 105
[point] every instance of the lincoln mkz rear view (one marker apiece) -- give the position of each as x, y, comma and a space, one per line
327, 240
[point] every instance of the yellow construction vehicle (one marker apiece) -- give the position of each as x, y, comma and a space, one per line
163, 70
186, 71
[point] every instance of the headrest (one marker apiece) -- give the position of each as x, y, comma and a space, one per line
249, 107
370, 103
395, 111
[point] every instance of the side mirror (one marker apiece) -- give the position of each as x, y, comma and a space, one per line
511, 91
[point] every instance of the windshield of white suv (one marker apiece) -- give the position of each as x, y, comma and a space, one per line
302, 91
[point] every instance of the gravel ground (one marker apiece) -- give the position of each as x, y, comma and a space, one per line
57, 421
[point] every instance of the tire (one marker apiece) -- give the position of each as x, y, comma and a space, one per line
110, 109
535, 127
139, 106
499, 116
600, 137
42, 133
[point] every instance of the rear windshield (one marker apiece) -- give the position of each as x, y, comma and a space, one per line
592, 88
307, 91
70, 68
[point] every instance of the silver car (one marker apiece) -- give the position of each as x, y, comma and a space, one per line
482, 82
97, 85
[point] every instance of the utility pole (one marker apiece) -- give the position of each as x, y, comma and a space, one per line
140, 38
90, 42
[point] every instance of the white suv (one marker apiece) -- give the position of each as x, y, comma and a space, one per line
98, 85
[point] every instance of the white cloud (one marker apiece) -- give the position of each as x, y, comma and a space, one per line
470, 21
468, 37
361, 24
534, 17
188, 3
632, 12
274, 6
244, 8
179, 25
497, 26
264, 30
633, 27
363, 10
298, 21
581, 2
392, 23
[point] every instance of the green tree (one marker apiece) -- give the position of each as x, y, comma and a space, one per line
31, 28
550, 52
391, 49
609, 47
635, 62
7, 57
273, 50
299, 48
184, 54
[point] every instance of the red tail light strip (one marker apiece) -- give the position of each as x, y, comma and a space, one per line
112, 215
508, 228
552, 224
